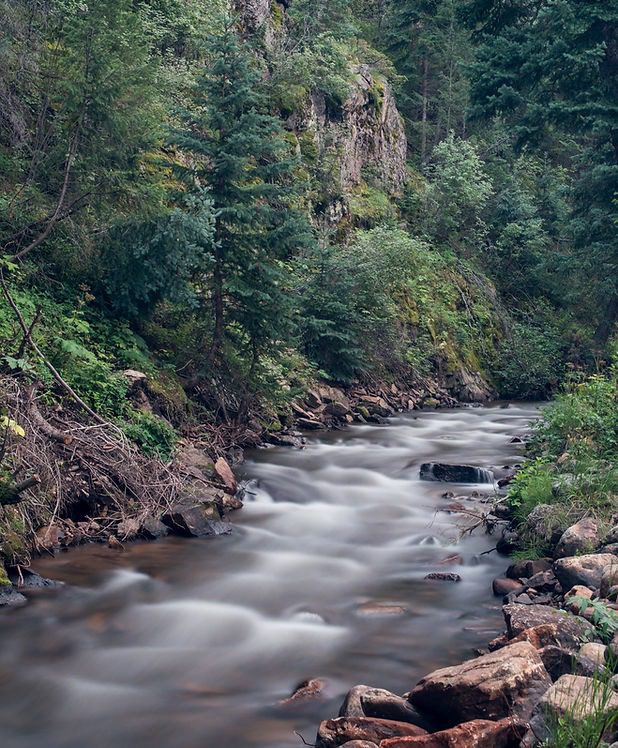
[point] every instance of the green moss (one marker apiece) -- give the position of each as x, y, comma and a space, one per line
4, 579
369, 205
169, 394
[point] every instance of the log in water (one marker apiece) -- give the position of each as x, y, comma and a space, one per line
192, 644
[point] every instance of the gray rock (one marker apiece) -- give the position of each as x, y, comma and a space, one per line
435, 471
586, 570
193, 518
364, 701
10, 598
570, 630
582, 537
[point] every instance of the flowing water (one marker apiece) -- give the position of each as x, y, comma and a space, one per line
192, 643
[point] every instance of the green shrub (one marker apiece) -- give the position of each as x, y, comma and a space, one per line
153, 435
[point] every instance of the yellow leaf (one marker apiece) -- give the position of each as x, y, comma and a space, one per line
8, 423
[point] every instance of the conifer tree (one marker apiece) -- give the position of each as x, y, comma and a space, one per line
241, 152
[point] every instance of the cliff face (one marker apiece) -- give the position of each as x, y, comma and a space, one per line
370, 138
362, 140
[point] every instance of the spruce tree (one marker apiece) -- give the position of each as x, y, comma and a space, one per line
237, 148
548, 70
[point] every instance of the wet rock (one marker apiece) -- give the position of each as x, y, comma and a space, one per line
224, 472
508, 682
580, 538
573, 629
585, 570
25, 579
334, 733
307, 690
478, 733
337, 409
435, 471
443, 576
527, 569
364, 701
502, 587
508, 543
192, 518
578, 698
285, 440
516, 440
381, 609
359, 744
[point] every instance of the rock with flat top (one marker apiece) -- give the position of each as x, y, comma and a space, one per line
190, 517
334, 733
573, 629
479, 733
528, 568
507, 682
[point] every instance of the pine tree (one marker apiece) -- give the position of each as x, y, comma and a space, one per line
242, 153
549, 69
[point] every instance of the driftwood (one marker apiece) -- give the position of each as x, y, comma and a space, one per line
11, 493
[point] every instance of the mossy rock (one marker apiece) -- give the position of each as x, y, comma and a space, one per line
4, 579
169, 395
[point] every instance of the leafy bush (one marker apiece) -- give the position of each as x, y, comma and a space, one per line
154, 436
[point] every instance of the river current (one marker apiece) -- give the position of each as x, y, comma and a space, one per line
192, 643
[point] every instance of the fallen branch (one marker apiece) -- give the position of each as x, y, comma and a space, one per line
42, 424
10, 493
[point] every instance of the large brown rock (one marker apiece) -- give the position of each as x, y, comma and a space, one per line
508, 682
609, 578
587, 570
479, 733
582, 537
576, 698
528, 568
334, 733
224, 472
570, 629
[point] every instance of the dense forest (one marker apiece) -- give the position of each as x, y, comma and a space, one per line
238, 202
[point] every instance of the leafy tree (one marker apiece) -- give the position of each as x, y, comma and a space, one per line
233, 145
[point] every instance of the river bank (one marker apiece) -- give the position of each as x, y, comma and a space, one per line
323, 578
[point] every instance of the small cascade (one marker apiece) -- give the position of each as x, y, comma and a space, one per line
437, 471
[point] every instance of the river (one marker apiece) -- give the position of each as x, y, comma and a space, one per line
192, 643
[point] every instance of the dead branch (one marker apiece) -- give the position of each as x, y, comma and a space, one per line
41, 423
11, 493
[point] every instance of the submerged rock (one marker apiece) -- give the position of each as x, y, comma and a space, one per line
436, 471
443, 576
508, 682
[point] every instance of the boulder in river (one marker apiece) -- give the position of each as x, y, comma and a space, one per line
10, 597
437, 471
308, 690
224, 472
443, 576
193, 518
582, 537
333, 733
478, 733
528, 568
586, 570
508, 682
364, 701
502, 587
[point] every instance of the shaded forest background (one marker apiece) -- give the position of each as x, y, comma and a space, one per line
172, 199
